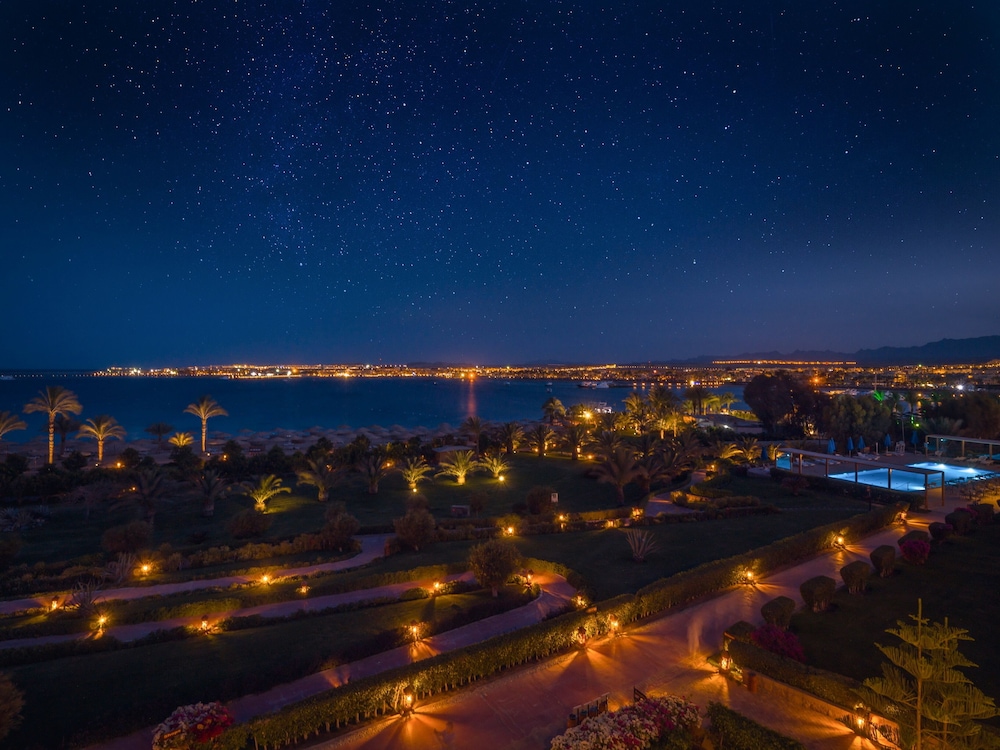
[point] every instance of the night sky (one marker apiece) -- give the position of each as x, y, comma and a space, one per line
211, 182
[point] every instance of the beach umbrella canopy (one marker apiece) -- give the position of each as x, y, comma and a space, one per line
861, 443
850, 445
913, 437
831, 447
888, 440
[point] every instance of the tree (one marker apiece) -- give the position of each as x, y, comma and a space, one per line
726, 401
11, 703
749, 449
181, 439
266, 488
102, 428
458, 464
783, 400
511, 434
158, 430
618, 469
209, 487
553, 410
573, 437
54, 400
539, 439
697, 395
493, 562
321, 473
474, 427
64, 426
922, 690
415, 529
495, 464
374, 467
150, 488
205, 408
637, 411
340, 527
10, 422
414, 471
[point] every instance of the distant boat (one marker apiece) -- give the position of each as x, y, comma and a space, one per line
6, 377
594, 384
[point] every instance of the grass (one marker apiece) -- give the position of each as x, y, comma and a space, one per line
105, 694
958, 582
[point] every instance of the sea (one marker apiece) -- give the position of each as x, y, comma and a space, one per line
302, 403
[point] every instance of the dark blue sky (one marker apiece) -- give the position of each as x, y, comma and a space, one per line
200, 182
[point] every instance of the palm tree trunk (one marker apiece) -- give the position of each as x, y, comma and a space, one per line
52, 438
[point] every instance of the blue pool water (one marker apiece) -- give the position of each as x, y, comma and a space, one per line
910, 481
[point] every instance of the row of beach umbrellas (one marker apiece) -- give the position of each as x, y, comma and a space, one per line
831, 447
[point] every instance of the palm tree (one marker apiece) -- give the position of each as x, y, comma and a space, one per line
495, 464
374, 467
181, 439
205, 408
458, 464
774, 451
10, 422
158, 430
102, 428
321, 474
539, 438
415, 470
54, 400
553, 409
749, 449
511, 434
150, 488
726, 401
619, 469
725, 451
210, 487
605, 443
662, 401
474, 427
573, 437
637, 410
65, 425
266, 488
697, 395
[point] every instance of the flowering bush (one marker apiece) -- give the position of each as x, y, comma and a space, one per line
191, 726
633, 727
778, 641
915, 551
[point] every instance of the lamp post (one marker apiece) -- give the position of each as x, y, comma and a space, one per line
409, 701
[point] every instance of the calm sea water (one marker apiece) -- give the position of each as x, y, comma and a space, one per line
263, 405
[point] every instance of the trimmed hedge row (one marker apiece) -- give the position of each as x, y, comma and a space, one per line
737, 732
831, 687
378, 694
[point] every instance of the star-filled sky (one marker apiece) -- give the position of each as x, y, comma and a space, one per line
196, 182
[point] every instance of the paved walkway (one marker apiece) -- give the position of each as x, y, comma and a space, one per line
372, 547
526, 708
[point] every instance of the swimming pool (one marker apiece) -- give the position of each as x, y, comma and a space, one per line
913, 481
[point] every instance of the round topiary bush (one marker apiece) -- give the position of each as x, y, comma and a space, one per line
856, 575
817, 593
884, 560
778, 612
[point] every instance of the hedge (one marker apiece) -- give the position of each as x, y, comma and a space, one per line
831, 687
737, 732
372, 696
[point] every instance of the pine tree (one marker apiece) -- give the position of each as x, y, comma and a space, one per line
922, 690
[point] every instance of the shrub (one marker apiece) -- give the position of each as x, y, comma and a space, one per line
778, 612
737, 732
856, 576
777, 641
10, 545
11, 703
249, 523
983, 513
940, 531
415, 529
795, 485
961, 520
127, 538
915, 551
493, 562
916, 534
539, 501
884, 560
817, 593
339, 529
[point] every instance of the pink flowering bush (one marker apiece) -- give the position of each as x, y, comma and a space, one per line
192, 726
634, 727
915, 551
778, 641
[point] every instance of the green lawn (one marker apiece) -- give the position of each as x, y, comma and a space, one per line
120, 691
959, 581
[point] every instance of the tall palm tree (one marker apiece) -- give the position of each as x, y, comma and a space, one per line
180, 439
10, 422
511, 434
320, 472
458, 464
102, 428
606, 442
573, 437
205, 408
266, 488
697, 395
637, 410
374, 467
726, 401
619, 469
158, 430
540, 438
474, 427
210, 487
52, 401
662, 400
64, 426
553, 409
151, 486
415, 470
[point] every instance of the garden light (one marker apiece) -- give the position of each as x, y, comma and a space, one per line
303, 589
409, 700
204, 623
838, 541
265, 579
54, 605
145, 569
